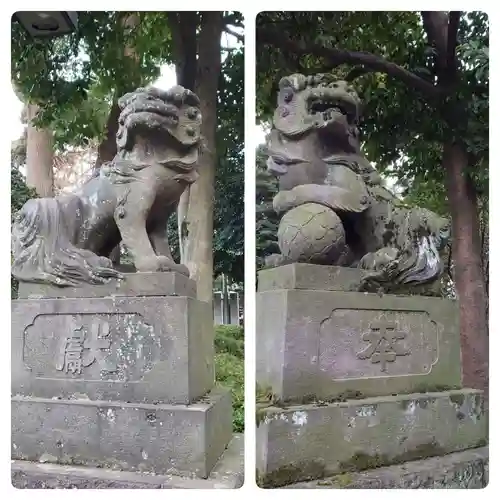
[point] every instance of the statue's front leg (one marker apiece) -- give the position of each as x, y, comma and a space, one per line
159, 240
131, 213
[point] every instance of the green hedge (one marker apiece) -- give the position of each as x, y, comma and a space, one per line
229, 368
230, 339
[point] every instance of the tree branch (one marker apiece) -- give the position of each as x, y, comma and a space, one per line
238, 36
337, 57
356, 72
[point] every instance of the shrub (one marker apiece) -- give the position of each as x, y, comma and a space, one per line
229, 368
230, 339
229, 372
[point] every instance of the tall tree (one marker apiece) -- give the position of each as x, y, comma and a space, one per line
39, 154
197, 41
425, 78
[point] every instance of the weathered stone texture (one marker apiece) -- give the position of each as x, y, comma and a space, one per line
300, 276
165, 439
322, 344
461, 470
132, 285
227, 474
310, 441
136, 349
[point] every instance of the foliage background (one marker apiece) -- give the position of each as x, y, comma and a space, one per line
229, 368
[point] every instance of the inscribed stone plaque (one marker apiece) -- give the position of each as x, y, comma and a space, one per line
325, 344
91, 347
139, 349
357, 343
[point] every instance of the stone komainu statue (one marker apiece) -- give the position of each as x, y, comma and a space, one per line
67, 240
335, 210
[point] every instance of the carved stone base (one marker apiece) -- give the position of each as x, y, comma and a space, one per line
146, 349
164, 439
132, 285
228, 473
118, 376
318, 342
304, 442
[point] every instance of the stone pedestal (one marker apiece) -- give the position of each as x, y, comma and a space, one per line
119, 375
359, 380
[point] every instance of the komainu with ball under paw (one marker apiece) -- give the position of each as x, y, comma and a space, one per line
335, 210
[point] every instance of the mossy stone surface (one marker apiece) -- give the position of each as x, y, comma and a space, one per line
364, 434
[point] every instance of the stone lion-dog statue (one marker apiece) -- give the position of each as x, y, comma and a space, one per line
67, 240
335, 209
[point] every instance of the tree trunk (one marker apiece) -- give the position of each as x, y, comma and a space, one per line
469, 277
107, 148
183, 26
39, 156
198, 251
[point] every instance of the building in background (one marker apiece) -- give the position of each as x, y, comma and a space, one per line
228, 302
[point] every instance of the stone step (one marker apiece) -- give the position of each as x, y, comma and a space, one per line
467, 469
163, 438
228, 473
328, 344
303, 442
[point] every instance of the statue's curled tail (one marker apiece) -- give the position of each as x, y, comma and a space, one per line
43, 249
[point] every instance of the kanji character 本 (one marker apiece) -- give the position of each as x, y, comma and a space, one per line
383, 347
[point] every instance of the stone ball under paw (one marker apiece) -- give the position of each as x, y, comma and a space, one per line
311, 233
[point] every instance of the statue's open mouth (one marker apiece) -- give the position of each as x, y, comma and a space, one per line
327, 109
153, 108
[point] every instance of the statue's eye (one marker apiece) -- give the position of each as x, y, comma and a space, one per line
288, 95
192, 113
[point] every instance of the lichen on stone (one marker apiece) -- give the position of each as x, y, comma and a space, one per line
292, 473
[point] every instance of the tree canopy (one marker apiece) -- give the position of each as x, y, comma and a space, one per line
390, 60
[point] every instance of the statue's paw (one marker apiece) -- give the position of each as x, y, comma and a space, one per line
283, 201
148, 264
160, 263
167, 264
105, 262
